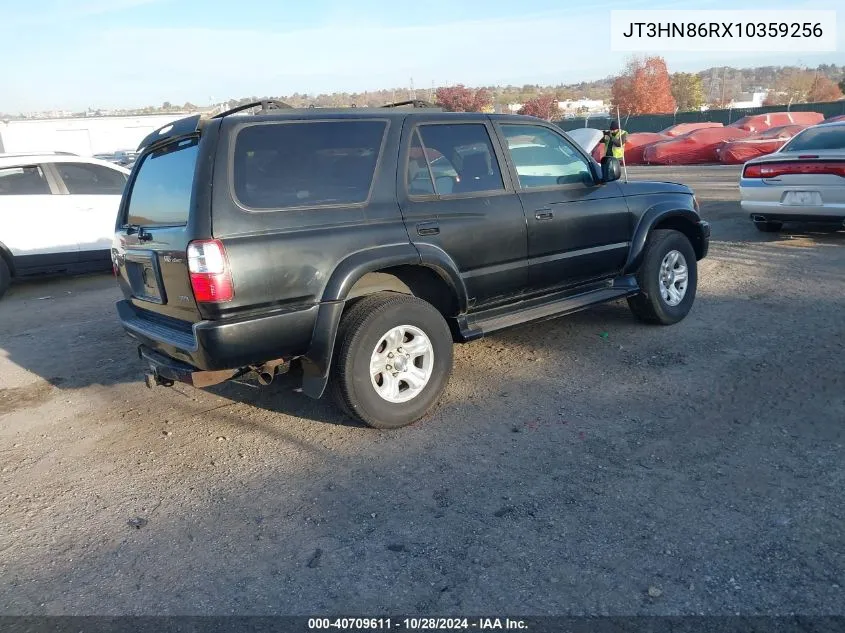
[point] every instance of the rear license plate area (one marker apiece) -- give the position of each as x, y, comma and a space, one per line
802, 199
144, 276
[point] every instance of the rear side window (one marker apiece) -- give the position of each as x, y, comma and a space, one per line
461, 159
85, 179
23, 181
306, 164
161, 193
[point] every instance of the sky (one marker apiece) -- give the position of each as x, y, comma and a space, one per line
74, 54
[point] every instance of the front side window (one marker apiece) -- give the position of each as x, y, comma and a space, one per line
306, 164
161, 193
23, 181
87, 179
461, 159
545, 159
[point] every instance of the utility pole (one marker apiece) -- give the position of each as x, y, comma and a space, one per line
412, 94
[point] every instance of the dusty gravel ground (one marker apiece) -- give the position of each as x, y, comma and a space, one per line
572, 467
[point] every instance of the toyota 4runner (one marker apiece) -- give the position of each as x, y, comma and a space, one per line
361, 243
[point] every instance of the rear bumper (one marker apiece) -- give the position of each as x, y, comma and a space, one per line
222, 345
780, 215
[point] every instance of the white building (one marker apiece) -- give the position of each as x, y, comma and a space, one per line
84, 136
749, 100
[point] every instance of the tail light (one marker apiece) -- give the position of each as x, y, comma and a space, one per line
774, 170
211, 279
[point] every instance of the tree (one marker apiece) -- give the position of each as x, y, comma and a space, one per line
688, 91
793, 85
166, 105
824, 89
644, 88
842, 86
462, 99
543, 107
189, 107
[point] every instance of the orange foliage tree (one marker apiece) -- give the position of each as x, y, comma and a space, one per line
644, 88
462, 99
545, 107
824, 89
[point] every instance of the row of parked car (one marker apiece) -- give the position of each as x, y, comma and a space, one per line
58, 210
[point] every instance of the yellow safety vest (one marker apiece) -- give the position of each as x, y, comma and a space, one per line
612, 150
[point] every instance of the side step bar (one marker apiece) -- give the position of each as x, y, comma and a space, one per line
557, 304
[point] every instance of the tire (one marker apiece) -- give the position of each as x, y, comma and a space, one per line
651, 305
5, 277
386, 400
769, 227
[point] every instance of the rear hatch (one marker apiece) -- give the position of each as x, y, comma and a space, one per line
154, 231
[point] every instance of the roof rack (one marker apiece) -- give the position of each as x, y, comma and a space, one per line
266, 104
416, 103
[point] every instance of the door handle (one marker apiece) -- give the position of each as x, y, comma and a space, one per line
544, 214
428, 228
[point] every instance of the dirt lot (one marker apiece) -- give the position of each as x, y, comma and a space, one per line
573, 466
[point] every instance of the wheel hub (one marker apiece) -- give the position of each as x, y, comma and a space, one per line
674, 275
401, 364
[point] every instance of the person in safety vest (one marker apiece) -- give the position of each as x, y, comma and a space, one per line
614, 141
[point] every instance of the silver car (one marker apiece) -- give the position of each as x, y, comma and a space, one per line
804, 181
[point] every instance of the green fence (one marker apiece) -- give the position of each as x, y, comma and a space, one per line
658, 122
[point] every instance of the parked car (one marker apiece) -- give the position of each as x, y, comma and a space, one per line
326, 237
57, 214
803, 181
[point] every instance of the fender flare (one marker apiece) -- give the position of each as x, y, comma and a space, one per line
316, 363
653, 216
6, 255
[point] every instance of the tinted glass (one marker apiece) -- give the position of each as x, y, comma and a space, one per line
309, 163
23, 181
545, 159
161, 193
819, 138
417, 174
462, 158
80, 178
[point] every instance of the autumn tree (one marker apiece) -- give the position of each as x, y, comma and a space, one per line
543, 107
824, 89
644, 88
688, 91
842, 85
462, 99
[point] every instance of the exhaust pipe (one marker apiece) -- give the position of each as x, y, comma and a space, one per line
269, 370
758, 218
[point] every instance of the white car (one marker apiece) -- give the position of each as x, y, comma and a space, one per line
57, 213
804, 181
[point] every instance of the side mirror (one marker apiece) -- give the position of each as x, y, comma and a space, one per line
610, 169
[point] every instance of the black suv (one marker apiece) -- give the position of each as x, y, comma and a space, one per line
362, 242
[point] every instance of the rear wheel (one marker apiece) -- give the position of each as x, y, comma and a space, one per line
393, 360
667, 278
5, 277
768, 227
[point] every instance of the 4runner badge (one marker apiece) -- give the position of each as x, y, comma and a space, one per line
172, 260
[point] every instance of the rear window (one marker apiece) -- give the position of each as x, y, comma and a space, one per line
161, 193
306, 164
817, 138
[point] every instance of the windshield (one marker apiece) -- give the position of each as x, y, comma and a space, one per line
161, 193
817, 138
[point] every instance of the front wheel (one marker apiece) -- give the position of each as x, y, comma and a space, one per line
393, 360
667, 278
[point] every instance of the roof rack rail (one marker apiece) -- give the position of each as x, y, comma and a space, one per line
416, 103
266, 104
